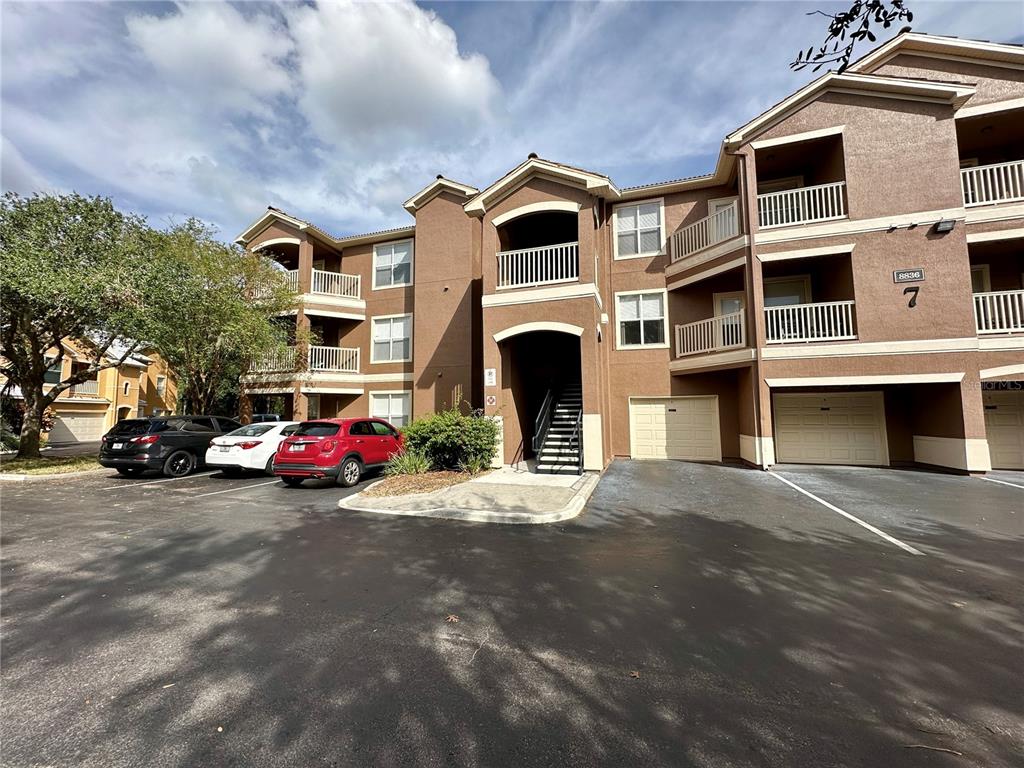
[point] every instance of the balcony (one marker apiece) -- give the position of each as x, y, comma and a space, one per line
827, 321
91, 387
711, 230
991, 184
545, 265
999, 312
715, 334
325, 283
318, 359
803, 205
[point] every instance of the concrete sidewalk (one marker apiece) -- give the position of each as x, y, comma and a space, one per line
506, 495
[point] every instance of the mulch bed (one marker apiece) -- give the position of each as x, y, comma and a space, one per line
400, 485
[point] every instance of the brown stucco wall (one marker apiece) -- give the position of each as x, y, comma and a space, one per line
990, 83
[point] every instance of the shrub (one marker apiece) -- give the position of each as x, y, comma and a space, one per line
407, 462
451, 440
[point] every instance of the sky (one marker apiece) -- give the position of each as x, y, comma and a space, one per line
338, 112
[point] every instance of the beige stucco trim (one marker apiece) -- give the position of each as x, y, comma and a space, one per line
559, 206
594, 183
593, 458
277, 241
807, 253
1002, 370
332, 390
432, 190
689, 279
996, 212
702, 257
1000, 343
712, 360
759, 451
850, 381
940, 47
268, 390
332, 313
539, 325
987, 109
857, 226
970, 454
533, 295
999, 234
911, 347
793, 138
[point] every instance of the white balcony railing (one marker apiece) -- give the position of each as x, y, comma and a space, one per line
828, 321
715, 334
91, 387
539, 266
987, 184
335, 284
710, 230
804, 205
320, 358
999, 312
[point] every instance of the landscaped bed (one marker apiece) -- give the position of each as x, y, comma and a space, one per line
401, 485
56, 465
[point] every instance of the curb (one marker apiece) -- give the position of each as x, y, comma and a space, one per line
12, 478
569, 511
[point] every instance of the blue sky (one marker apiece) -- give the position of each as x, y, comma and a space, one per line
338, 112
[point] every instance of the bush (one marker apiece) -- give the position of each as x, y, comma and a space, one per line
407, 463
451, 440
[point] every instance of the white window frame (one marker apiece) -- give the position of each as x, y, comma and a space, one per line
161, 386
373, 347
412, 264
404, 394
661, 226
725, 202
717, 299
664, 320
806, 279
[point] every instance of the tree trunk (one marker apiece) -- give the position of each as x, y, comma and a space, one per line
28, 445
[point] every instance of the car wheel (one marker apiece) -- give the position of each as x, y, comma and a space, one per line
269, 469
179, 464
292, 482
349, 473
130, 471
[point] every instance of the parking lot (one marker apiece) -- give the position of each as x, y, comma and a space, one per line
693, 615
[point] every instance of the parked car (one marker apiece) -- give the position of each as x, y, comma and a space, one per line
342, 449
259, 418
173, 445
249, 447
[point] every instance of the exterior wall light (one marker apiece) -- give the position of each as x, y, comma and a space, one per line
945, 225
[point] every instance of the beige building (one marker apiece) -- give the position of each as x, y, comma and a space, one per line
844, 287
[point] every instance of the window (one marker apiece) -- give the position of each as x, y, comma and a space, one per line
392, 339
127, 387
642, 321
360, 429
981, 282
785, 291
200, 425
393, 407
639, 229
312, 406
392, 264
53, 374
382, 429
161, 386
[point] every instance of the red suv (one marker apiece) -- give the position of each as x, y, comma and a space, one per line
338, 448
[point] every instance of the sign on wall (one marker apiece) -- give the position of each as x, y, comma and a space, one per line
492, 400
908, 276
490, 377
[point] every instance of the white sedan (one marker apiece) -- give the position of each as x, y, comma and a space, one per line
251, 447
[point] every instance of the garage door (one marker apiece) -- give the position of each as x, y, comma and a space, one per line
1004, 426
839, 428
675, 428
81, 427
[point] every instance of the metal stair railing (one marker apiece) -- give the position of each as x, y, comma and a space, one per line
542, 423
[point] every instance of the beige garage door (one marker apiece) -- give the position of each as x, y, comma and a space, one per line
839, 428
1004, 426
675, 428
81, 427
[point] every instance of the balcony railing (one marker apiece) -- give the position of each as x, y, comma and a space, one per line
539, 266
999, 312
804, 205
716, 334
335, 284
988, 184
91, 387
828, 321
319, 358
710, 230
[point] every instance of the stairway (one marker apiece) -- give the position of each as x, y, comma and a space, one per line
557, 456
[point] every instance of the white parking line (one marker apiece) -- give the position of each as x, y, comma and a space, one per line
848, 516
1003, 482
165, 480
237, 488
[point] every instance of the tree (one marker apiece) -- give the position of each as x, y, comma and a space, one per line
73, 268
849, 27
226, 301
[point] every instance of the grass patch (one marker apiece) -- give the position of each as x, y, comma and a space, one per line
400, 485
57, 465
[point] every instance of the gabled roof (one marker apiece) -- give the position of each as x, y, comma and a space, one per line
432, 190
275, 214
951, 93
941, 46
595, 183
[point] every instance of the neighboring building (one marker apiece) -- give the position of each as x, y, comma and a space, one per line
141, 386
845, 287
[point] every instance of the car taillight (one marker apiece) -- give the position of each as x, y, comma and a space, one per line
328, 445
248, 444
145, 439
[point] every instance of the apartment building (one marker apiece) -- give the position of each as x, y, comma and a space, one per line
844, 287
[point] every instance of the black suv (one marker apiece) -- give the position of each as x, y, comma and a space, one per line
174, 445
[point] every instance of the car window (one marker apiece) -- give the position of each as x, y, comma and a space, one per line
382, 429
360, 428
228, 424
131, 427
199, 425
253, 430
317, 429
289, 430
